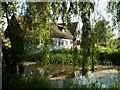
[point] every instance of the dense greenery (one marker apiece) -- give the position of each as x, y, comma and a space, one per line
103, 33
64, 56
95, 48
105, 56
109, 56
39, 28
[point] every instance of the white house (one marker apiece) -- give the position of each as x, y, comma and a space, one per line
65, 36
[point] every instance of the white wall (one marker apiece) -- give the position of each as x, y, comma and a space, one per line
60, 43
117, 31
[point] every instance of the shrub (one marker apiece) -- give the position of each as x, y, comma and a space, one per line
64, 56
108, 56
33, 56
37, 56
60, 58
114, 57
63, 51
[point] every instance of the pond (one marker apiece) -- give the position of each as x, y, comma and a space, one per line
103, 76
104, 79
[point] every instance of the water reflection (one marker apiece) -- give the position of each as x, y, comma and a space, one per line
103, 80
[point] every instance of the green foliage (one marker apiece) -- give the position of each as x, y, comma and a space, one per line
58, 7
56, 56
64, 56
109, 56
8, 9
76, 56
113, 8
42, 56
86, 8
115, 85
114, 43
63, 51
33, 56
40, 21
12, 38
61, 58
40, 15
15, 37
103, 32
6, 41
114, 57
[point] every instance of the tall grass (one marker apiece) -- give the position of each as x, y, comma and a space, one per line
12, 80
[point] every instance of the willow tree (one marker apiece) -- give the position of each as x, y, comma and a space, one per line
39, 14
104, 31
39, 32
113, 8
83, 10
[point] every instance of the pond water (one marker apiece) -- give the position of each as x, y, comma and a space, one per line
103, 75
105, 78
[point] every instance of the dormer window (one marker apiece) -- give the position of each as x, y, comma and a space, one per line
63, 30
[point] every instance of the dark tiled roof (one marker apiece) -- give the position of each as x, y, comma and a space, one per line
70, 30
72, 27
57, 32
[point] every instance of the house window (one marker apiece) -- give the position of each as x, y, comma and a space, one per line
63, 30
62, 43
59, 43
66, 42
70, 42
55, 42
78, 42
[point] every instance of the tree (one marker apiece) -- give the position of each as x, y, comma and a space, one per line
85, 8
12, 38
103, 32
16, 36
7, 10
41, 13
114, 9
